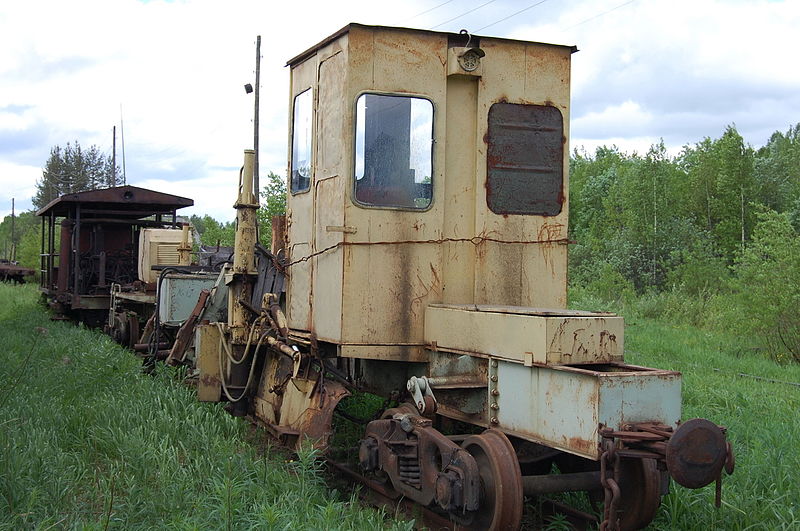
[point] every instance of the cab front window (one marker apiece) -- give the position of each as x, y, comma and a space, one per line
394, 151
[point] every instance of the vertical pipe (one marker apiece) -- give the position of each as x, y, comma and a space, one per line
184, 249
64, 255
243, 252
76, 250
42, 259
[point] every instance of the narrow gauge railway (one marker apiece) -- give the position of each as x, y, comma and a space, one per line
423, 258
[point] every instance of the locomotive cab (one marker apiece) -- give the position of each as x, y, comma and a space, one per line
420, 177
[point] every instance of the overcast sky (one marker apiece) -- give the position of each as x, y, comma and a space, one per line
647, 69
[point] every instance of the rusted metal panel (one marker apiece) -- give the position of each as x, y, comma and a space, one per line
300, 218
179, 294
564, 407
329, 191
387, 282
527, 338
461, 130
532, 274
122, 200
415, 353
209, 384
525, 159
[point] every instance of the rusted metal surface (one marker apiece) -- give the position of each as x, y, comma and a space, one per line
421, 463
502, 499
186, 332
381, 495
696, 453
525, 159
12, 272
550, 483
124, 201
531, 336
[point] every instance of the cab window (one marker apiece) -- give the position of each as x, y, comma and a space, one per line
301, 142
394, 151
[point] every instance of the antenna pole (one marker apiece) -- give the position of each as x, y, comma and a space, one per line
122, 134
256, 189
114, 158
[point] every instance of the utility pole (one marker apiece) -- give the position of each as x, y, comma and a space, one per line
13, 236
257, 190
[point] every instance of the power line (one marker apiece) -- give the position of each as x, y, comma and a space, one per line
463, 14
600, 15
512, 15
426, 11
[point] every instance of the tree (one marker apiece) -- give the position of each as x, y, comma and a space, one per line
768, 284
72, 169
273, 203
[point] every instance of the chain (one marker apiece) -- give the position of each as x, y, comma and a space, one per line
611, 488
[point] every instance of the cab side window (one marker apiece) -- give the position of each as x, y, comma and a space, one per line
394, 151
301, 142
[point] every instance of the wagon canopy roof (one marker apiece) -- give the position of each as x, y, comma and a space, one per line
121, 201
309, 52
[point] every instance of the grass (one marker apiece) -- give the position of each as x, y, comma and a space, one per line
89, 442
761, 417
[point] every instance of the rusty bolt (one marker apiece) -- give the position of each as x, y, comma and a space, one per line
495, 392
494, 406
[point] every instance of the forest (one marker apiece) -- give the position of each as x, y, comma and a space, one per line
708, 237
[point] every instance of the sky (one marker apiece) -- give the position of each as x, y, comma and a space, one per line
170, 75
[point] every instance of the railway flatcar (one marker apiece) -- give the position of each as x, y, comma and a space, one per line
11, 271
425, 260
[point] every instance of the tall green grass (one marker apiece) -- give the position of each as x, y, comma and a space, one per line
728, 381
87, 441
720, 382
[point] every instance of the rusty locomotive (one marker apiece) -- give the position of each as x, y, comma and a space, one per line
423, 258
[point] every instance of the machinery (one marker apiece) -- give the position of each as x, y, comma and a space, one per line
11, 271
424, 259
108, 241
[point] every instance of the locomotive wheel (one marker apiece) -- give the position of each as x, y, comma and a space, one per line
640, 492
502, 498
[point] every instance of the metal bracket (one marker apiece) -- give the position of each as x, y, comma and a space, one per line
422, 394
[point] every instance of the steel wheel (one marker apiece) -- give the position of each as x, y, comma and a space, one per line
501, 482
640, 492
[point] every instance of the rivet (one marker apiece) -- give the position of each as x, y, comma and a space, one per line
494, 363
494, 378
494, 420
495, 406
495, 392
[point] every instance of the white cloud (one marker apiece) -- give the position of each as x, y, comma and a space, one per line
650, 69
